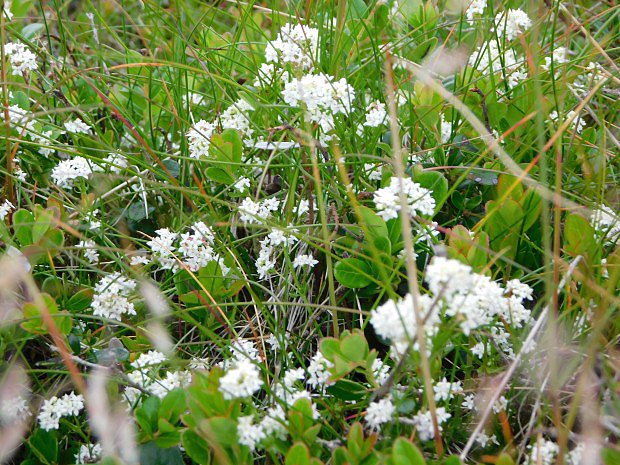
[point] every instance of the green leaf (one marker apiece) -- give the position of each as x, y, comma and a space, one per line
231, 136
348, 390
137, 212
610, 456
151, 454
219, 175
298, 454
221, 430
173, 405
352, 273
504, 459
405, 453
23, 222
374, 223
173, 167
44, 445
354, 347
146, 415
42, 224
196, 447
578, 235
330, 347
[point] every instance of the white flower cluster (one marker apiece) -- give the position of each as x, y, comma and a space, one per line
476, 7
476, 300
511, 23
445, 390
146, 375
379, 412
14, 409
543, 452
375, 114
577, 122
67, 171
419, 199
199, 138
77, 126
557, 58
111, 298
321, 97
57, 407
5, 209
424, 423
286, 392
295, 44
20, 118
194, 249
318, 371
242, 378
607, 223
473, 300
89, 453
252, 212
235, 117
304, 260
90, 250
489, 57
21, 58
396, 320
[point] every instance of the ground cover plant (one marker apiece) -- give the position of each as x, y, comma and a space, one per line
309, 232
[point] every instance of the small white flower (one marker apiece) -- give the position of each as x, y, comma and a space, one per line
318, 371
199, 138
419, 199
483, 439
111, 298
424, 423
55, 408
242, 380
150, 358
375, 114
90, 250
12, 410
249, 433
295, 44
20, 57
478, 350
66, 172
242, 185
5, 209
139, 260
77, 126
304, 260
476, 7
89, 453
543, 452
7, 9
379, 413
512, 22
445, 390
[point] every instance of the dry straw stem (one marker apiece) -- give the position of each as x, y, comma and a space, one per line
412, 272
14, 385
111, 423
490, 401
